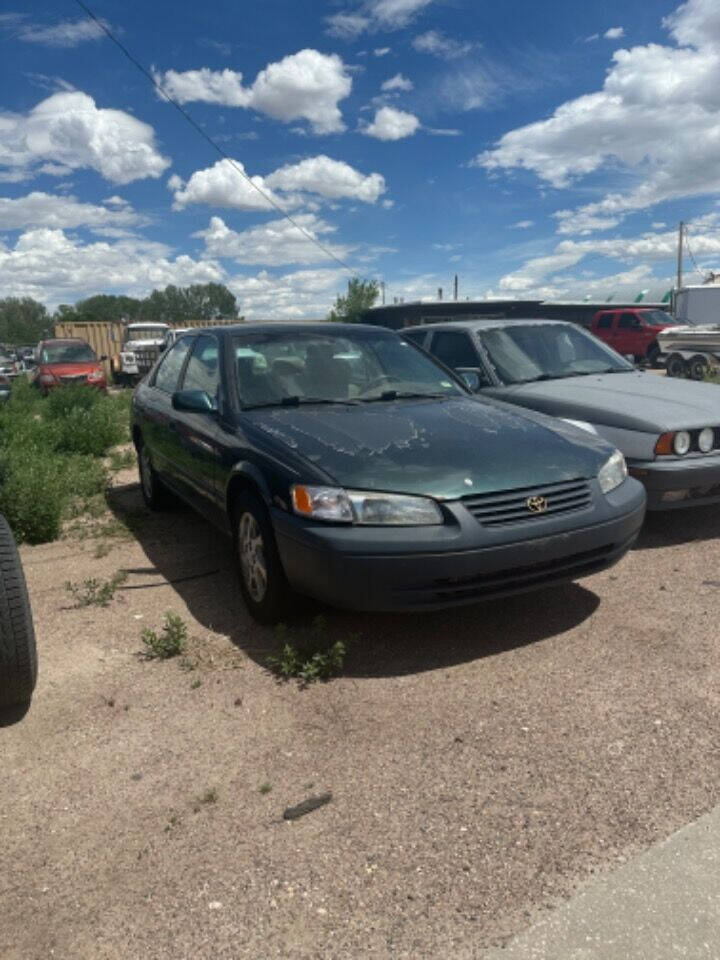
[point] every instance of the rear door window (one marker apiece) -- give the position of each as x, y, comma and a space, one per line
604, 321
203, 370
627, 321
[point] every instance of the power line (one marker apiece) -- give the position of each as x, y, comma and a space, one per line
216, 146
687, 245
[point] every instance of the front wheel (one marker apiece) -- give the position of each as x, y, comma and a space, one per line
18, 655
263, 584
675, 366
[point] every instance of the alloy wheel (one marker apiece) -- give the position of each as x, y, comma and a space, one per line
251, 548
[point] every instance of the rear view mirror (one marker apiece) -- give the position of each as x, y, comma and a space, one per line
193, 401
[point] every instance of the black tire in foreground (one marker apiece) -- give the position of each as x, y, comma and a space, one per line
266, 592
18, 654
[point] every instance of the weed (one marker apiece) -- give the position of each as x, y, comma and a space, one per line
102, 550
121, 460
313, 658
94, 592
207, 799
187, 664
173, 822
197, 682
265, 788
170, 642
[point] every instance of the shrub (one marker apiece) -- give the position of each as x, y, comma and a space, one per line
32, 495
94, 592
170, 642
313, 658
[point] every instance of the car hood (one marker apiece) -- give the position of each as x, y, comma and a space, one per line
70, 369
632, 401
442, 448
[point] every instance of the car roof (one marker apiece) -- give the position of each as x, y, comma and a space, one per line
65, 340
490, 323
337, 329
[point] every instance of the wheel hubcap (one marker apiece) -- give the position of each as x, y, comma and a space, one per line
146, 473
252, 557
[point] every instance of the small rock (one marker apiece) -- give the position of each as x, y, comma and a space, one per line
214, 905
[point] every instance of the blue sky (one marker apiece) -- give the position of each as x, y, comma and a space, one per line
535, 149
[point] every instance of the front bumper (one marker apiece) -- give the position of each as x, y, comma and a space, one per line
461, 562
674, 484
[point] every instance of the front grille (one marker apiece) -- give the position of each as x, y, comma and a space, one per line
73, 378
494, 509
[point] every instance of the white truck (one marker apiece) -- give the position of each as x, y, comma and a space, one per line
691, 347
142, 345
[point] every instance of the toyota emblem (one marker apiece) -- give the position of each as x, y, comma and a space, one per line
536, 504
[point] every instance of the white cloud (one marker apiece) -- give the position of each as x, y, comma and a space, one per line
392, 124
274, 243
438, 45
67, 131
39, 209
329, 178
592, 37
443, 131
291, 296
614, 33
307, 85
522, 225
68, 33
222, 186
374, 15
52, 267
381, 51
656, 121
398, 82
638, 252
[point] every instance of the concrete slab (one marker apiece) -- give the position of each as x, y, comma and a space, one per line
664, 905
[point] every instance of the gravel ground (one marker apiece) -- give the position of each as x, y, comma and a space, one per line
483, 763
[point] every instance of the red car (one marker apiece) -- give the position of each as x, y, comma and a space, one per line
60, 362
632, 330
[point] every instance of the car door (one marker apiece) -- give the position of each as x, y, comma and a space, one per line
197, 433
159, 425
626, 338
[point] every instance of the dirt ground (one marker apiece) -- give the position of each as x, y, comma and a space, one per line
482, 762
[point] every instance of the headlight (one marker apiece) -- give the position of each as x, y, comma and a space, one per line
681, 442
94, 375
612, 473
358, 506
706, 440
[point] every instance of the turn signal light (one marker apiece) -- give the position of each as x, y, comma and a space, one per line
664, 446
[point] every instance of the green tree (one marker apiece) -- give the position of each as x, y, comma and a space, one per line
361, 295
201, 301
102, 307
23, 321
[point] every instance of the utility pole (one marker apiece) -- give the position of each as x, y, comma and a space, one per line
681, 229
455, 286
382, 291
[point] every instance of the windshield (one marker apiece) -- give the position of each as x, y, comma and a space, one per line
276, 368
67, 353
144, 333
522, 353
656, 318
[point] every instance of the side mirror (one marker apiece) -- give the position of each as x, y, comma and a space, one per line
630, 358
193, 401
472, 377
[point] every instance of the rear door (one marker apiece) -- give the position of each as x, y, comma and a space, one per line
629, 335
159, 426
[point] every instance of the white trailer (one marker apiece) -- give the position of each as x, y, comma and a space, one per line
691, 348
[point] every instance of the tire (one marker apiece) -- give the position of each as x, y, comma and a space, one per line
18, 653
697, 367
263, 584
675, 366
653, 355
154, 492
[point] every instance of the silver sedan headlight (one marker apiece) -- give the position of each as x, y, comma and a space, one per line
337, 505
613, 472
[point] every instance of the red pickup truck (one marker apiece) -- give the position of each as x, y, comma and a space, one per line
631, 330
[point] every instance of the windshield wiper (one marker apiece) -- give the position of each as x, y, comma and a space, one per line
296, 401
387, 395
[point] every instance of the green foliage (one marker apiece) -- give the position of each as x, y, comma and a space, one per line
23, 321
312, 657
200, 301
361, 295
50, 455
265, 788
102, 307
170, 642
93, 592
122, 460
209, 797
